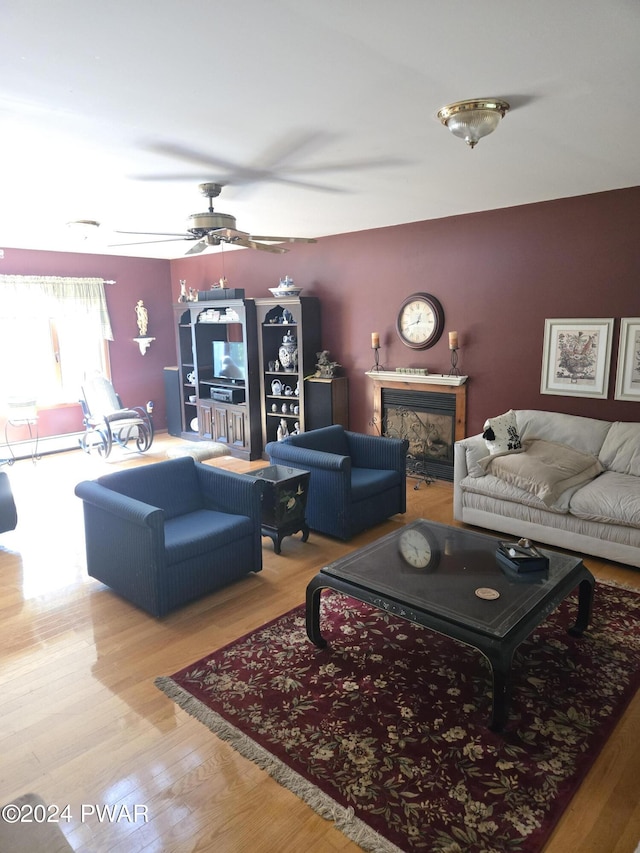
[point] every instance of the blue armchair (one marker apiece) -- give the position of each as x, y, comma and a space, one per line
356, 480
8, 514
164, 534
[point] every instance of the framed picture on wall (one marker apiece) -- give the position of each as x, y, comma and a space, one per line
628, 373
576, 357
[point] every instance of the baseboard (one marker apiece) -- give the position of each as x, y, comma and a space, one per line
47, 444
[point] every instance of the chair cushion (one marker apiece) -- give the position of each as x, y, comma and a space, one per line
171, 486
187, 536
366, 482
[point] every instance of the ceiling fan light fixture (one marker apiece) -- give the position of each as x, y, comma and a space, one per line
82, 229
204, 222
472, 120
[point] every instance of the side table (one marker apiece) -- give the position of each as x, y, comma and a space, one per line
284, 501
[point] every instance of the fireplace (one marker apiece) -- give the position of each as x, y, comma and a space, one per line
429, 412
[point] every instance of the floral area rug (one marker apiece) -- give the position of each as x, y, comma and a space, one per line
385, 730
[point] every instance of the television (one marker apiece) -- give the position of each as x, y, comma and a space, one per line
228, 361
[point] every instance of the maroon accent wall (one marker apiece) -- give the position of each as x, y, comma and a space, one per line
499, 274
136, 378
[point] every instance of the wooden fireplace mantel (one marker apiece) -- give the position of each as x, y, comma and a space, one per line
420, 378
430, 383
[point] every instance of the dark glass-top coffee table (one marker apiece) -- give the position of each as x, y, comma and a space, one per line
449, 580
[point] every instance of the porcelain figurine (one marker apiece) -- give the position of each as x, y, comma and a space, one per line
288, 352
325, 368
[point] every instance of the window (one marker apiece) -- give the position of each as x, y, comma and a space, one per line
51, 337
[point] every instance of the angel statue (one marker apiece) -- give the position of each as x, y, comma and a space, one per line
142, 316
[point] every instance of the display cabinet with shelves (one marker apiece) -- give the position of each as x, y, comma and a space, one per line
289, 339
219, 375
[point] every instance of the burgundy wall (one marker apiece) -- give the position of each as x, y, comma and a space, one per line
499, 275
136, 378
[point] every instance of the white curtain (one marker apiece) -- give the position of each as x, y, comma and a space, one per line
25, 296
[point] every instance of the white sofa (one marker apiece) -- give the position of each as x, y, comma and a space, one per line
600, 517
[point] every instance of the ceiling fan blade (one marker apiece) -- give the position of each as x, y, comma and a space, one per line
190, 155
284, 239
202, 175
145, 242
198, 247
307, 185
230, 234
242, 238
354, 165
237, 175
294, 144
251, 244
156, 234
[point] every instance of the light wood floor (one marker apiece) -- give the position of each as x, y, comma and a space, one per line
83, 723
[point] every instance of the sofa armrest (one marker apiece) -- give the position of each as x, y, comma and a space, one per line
375, 451
304, 457
117, 504
466, 454
124, 543
227, 491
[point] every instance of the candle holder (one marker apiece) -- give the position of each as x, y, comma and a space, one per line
376, 355
454, 362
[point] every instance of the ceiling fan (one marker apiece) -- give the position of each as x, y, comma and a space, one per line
278, 163
212, 229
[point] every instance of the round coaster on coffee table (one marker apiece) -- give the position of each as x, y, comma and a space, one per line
487, 593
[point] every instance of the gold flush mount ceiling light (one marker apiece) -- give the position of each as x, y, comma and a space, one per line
471, 120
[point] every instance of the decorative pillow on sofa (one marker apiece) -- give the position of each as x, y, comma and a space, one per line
501, 433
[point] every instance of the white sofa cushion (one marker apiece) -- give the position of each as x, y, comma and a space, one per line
585, 434
612, 498
545, 468
493, 487
621, 449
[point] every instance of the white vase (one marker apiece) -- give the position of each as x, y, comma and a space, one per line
288, 352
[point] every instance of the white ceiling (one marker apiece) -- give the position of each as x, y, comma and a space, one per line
339, 93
